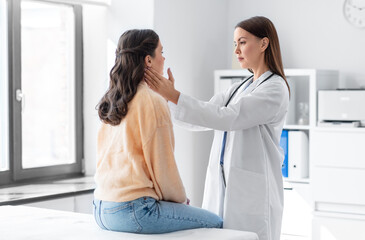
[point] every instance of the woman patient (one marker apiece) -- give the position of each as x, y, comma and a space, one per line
139, 188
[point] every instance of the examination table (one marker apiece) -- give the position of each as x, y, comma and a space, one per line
31, 223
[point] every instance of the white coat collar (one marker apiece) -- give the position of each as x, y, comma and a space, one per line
260, 79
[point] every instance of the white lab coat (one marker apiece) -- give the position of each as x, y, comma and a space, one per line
253, 198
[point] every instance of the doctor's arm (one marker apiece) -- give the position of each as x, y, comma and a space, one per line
217, 99
262, 106
165, 87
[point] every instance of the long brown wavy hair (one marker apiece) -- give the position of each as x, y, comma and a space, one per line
127, 72
262, 27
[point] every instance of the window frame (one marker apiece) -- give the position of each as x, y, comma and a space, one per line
16, 173
5, 175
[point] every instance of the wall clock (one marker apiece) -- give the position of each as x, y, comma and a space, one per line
354, 12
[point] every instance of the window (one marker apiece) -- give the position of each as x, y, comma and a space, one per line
4, 115
47, 80
46, 88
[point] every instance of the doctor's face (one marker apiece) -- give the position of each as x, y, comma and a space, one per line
247, 48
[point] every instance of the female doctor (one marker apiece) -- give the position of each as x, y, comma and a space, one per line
244, 182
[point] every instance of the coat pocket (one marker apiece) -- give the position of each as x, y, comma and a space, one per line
246, 191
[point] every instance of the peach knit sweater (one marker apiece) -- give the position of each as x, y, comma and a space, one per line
136, 158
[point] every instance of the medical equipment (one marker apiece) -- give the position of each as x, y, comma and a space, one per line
341, 108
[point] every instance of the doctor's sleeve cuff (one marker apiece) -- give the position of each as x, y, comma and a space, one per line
177, 110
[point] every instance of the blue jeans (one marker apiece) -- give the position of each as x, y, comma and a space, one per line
147, 215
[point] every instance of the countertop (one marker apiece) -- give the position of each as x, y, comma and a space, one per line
45, 190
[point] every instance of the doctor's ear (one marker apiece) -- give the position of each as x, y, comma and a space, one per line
264, 43
148, 61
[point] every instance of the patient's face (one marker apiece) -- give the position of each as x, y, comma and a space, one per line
159, 60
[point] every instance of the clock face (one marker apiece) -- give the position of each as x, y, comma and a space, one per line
354, 11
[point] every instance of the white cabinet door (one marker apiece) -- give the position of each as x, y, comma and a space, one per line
84, 203
64, 204
293, 237
343, 186
79, 203
297, 216
338, 170
340, 149
329, 228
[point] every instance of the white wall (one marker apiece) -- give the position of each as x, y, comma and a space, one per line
312, 33
102, 28
95, 39
193, 34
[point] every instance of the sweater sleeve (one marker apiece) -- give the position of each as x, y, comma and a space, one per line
159, 156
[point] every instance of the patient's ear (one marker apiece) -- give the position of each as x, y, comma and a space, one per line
148, 61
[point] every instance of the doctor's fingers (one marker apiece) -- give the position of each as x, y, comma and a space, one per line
153, 75
151, 79
149, 84
171, 77
158, 76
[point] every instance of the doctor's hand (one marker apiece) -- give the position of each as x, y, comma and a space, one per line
163, 86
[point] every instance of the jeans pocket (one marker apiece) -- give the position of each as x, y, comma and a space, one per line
147, 208
121, 218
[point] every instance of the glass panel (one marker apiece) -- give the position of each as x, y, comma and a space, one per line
48, 84
4, 115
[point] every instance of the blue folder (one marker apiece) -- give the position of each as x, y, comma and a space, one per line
284, 145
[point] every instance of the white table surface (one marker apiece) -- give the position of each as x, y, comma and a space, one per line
30, 223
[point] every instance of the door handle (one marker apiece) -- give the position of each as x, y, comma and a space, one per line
19, 95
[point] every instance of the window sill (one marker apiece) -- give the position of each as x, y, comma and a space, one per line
46, 190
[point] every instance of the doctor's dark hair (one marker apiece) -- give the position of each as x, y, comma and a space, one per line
126, 74
262, 27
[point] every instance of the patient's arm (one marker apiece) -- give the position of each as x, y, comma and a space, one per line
160, 160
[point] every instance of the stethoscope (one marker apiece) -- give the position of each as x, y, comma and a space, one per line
225, 132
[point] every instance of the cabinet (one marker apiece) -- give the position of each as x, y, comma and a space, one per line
81, 203
297, 215
302, 116
338, 177
338, 227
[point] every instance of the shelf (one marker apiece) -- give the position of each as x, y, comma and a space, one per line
340, 129
303, 180
296, 127
339, 215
